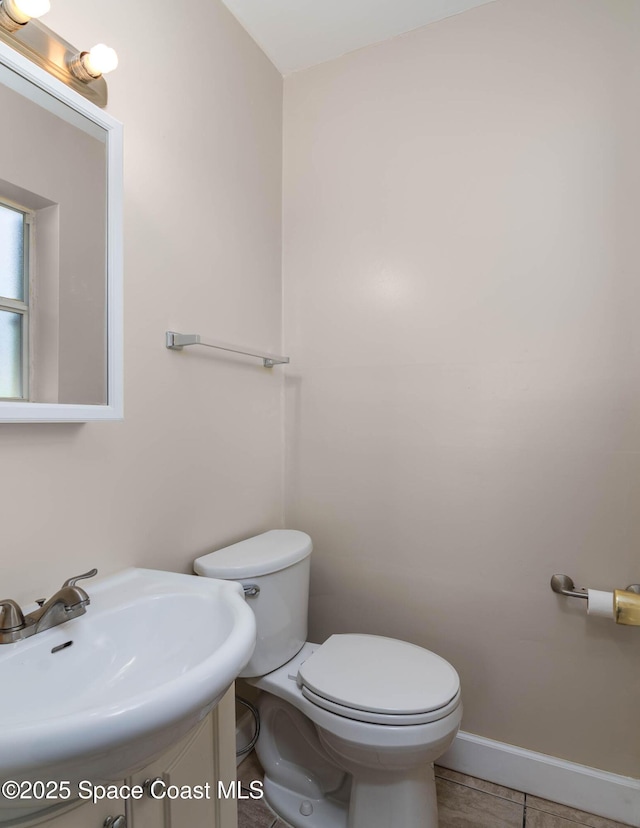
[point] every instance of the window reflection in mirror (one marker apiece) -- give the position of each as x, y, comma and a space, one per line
14, 301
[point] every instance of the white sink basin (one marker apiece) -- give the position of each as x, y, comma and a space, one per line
153, 654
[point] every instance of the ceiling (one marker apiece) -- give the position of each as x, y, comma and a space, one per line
296, 34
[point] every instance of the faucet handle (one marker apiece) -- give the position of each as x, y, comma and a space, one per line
12, 617
73, 581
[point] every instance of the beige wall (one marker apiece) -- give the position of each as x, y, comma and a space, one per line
461, 306
197, 460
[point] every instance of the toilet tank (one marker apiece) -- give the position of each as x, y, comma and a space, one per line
277, 562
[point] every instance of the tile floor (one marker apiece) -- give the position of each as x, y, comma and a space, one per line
463, 802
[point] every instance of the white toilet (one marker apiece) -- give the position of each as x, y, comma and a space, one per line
349, 728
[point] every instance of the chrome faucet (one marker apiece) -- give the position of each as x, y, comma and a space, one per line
68, 602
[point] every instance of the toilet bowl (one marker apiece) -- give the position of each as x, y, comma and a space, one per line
349, 728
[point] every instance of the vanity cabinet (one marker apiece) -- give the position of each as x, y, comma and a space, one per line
84, 816
203, 757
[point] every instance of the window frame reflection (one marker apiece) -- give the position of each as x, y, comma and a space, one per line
21, 307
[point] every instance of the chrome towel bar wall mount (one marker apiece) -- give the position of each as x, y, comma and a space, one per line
563, 585
177, 341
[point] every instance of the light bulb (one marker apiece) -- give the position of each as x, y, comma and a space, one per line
17, 13
32, 8
100, 60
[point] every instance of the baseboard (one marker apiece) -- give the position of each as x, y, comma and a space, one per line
588, 789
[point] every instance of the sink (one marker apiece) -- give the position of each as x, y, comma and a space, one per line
102, 695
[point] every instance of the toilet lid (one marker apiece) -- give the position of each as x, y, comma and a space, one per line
379, 675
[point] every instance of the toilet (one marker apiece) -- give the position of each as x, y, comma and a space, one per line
349, 729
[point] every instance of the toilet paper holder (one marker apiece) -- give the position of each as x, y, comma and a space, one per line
621, 605
563, 585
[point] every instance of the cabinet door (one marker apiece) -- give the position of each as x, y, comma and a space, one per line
193, 773
188, 774
153, 809
148, 812
86, 815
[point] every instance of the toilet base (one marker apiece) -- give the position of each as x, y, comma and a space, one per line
390, 799
378, 800
302, 812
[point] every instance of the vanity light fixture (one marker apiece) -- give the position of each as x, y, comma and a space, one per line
82, 71
14, 14
88, 66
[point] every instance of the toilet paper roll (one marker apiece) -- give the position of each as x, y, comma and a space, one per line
600, 603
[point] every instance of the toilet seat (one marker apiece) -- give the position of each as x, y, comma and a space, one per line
382, 718
379, 680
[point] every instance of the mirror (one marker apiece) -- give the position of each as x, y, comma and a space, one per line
60, 251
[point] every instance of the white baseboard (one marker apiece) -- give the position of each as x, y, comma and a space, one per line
588, 789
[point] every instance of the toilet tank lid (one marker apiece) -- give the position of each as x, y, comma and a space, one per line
260, 555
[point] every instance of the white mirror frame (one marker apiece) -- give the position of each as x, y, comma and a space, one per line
29, 412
